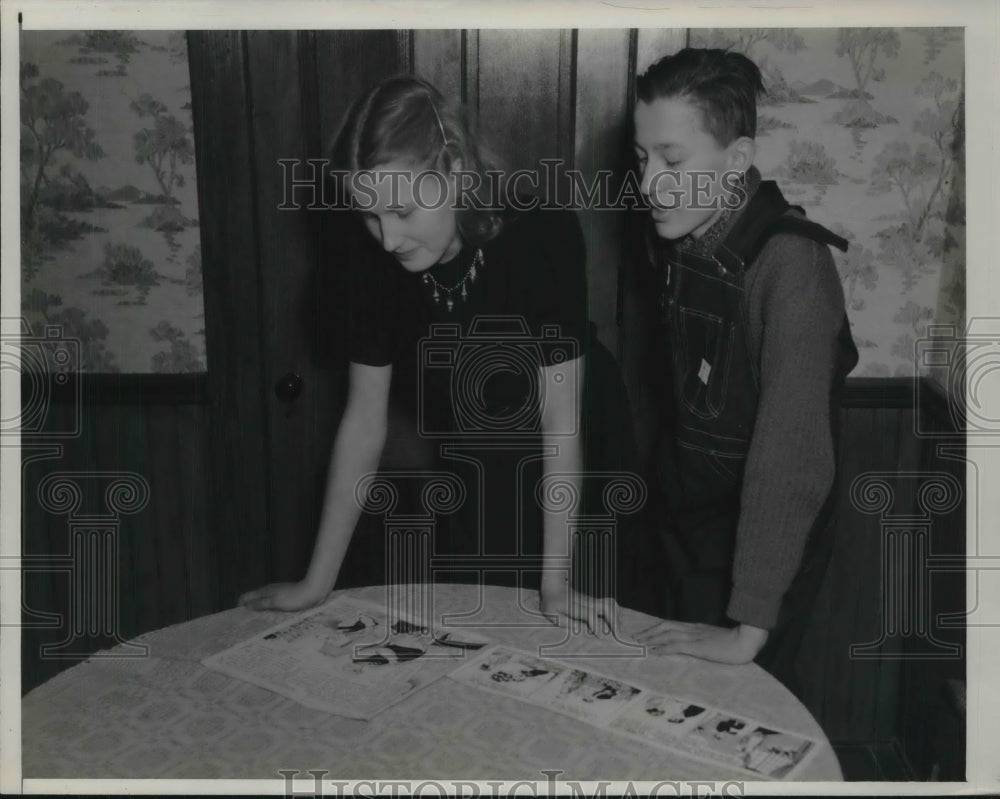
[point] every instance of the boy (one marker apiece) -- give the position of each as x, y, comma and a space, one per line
756, 346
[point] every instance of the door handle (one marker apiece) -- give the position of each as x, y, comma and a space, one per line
288, 387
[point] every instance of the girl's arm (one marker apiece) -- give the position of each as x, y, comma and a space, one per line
562, 387
356, 451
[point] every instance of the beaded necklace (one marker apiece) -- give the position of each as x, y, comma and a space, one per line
438, 289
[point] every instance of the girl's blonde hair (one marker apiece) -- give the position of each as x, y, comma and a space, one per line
405, 118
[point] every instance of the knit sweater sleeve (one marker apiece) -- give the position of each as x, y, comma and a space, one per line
796, 301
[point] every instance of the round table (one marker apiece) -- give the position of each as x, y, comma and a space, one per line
165, 715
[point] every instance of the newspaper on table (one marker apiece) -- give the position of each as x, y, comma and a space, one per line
668, 722
346, 657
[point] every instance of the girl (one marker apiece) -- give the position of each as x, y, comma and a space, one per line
472, 315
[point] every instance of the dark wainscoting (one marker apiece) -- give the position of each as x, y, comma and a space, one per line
891, 697
152, 426
170, 558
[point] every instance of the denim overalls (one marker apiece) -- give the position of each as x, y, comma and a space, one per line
714, 385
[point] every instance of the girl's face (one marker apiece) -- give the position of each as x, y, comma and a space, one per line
409, 211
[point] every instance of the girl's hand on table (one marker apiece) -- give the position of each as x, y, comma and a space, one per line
599, 614
284, 596
734, 645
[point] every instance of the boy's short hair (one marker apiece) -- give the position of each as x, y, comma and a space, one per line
723, 84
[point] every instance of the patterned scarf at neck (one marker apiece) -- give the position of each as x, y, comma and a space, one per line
705, 244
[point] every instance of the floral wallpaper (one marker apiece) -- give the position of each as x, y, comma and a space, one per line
863, 128
109, 224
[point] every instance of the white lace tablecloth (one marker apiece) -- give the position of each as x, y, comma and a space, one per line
167, 716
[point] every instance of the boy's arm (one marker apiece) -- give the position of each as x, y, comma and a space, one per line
790, 465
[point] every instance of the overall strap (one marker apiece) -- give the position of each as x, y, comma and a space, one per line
767, 215
801, 227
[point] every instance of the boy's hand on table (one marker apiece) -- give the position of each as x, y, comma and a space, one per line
720, 644
283, 596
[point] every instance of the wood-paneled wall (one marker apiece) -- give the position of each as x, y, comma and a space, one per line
889, 696
168, 559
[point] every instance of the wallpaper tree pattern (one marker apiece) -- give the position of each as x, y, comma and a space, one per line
109, 224
863, 127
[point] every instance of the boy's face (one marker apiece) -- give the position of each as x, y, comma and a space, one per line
684, 170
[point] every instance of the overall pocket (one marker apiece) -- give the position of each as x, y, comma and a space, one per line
707, 347
710, 475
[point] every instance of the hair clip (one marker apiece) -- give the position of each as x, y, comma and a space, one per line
444, 137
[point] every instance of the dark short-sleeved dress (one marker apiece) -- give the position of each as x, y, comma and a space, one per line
465, 381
